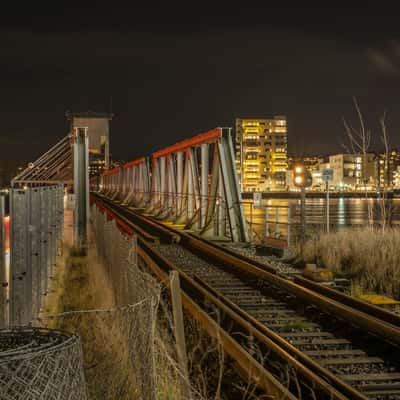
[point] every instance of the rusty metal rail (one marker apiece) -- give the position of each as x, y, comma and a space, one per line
248, 366
328, 384
367, 322
370, 309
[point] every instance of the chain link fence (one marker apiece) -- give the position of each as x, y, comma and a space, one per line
40, 364
136, 297
143, 329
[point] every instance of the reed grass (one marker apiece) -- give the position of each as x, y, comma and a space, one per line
369, 257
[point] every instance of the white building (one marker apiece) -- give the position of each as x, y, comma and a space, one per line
396, 178
353, 171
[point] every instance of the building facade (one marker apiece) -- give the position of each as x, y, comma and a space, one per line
387, 167
261, 153
396, 178
353, 171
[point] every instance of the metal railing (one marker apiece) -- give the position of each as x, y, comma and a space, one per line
277, 223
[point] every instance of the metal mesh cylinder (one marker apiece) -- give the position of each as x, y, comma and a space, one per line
43, 364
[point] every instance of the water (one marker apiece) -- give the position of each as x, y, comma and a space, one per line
344, 212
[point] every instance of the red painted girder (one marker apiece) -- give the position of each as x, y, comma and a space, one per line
112, 171
134, 162
206, 137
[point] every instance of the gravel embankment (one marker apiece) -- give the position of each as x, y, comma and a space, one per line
250, 251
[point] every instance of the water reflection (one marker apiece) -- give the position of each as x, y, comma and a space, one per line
343, 213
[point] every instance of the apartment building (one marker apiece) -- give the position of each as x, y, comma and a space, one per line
261, 153
353, 171
387, 166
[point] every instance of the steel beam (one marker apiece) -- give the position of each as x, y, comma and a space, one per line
184, 190
194, 179
231, 187
163, 181
203, 184
211, 219
179, 181
197, 140
81, 187
3, 274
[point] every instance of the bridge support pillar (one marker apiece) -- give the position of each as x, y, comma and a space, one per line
3, 277
81, 187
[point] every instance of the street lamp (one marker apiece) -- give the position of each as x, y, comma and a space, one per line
302, 179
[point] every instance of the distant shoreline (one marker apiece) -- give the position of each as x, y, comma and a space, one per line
320, 195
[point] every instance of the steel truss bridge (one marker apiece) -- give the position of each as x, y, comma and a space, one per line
180, 203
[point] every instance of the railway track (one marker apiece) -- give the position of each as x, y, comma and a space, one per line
318, 346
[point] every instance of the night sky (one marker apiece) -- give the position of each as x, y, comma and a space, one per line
174, 72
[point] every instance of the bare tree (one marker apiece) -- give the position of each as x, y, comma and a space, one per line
384, 204
359, 141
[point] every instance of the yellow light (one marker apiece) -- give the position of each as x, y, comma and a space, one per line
298, 170
298, 180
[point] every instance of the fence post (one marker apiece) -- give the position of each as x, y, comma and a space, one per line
277, 222
3, 280
288, 226
179, 331
81, 187
251, 223
303, 215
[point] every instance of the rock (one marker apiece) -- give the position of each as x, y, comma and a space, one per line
317, 274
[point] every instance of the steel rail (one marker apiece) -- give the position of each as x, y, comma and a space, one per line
126, 225
243, 319
249, 368
304, 363
370, 309
305, 367
360, 305
367, 322
155, 228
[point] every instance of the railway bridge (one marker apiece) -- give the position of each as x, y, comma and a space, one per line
178, 209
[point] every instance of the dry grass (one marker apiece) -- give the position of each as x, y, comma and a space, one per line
371, 258
81, 285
